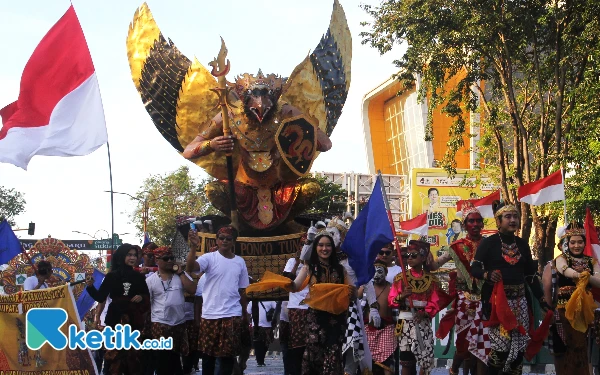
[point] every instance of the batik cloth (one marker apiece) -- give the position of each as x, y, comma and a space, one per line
178, 333
478, 336
325, 334
572, 346
354, 334
221, 337
382, 342
193, 332
297, 319
409, 342
466, 305
513, 342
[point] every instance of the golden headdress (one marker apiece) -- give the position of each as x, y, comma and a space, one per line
246, 82
501, 207
573, 229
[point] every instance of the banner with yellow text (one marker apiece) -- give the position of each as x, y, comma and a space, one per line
16, 358
432, 191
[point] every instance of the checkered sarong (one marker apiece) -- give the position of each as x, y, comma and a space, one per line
465, 309
478, 337
382, 342
354, 334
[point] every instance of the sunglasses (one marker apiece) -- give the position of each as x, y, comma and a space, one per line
410, 255
167, 258
223, 238
389, 252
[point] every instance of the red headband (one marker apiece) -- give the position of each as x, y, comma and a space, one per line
162, 252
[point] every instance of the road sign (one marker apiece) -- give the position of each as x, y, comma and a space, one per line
106, 244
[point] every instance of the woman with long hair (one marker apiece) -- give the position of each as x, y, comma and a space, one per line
130, 300
572, 270
324, 330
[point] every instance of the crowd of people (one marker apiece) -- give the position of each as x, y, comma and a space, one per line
384, 326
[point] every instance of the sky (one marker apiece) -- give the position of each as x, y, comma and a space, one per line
67, 194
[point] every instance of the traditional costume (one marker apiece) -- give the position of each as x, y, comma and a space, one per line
570, 292
505, 310
465, 290
426, 297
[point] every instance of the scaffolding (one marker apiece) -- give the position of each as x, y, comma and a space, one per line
359, 187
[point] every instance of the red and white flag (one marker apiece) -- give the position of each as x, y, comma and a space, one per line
484, 205
59, 110
549, 189
417, 225
592, 243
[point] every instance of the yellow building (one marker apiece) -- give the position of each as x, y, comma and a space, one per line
394, 130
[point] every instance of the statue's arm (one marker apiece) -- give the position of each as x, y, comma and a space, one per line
209, 141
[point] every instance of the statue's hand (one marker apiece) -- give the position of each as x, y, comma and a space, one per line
222, 143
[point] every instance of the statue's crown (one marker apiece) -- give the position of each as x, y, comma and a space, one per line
247, 81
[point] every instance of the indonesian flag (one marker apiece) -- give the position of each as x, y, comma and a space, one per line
549, 189
417, 225
592, 243
484, 205
59, 110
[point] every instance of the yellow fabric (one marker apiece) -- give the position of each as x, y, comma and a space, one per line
332, 298
579, 311
269, 281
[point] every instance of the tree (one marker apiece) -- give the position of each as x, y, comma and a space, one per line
332, 197
12, 204
165, 197
528, 66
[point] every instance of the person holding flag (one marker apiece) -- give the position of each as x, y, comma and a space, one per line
467, 293
504, 262
575, 306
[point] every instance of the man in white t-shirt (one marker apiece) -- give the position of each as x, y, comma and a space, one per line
39, 280
387, 256
263, 334
167, 310
224, 301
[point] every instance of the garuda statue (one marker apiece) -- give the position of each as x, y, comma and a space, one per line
278, 125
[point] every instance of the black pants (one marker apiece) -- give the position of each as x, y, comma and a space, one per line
260, 351
225, 365
190, 361
295, 360
167, 362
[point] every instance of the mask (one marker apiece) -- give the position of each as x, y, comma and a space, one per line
379, 275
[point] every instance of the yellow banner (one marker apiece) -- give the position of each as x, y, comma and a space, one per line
16, 358
432, 191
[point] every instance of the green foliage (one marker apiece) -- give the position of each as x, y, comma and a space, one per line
530, 67
12, 204
166, 197
332, 197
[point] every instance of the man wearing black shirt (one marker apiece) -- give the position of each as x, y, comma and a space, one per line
505, 262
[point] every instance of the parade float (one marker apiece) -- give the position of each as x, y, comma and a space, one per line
280, 125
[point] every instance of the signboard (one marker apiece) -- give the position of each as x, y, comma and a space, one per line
103, 244
106, 244
434, 192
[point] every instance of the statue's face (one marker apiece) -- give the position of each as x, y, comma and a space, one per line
379, 274
259, 103
474, 224
335, 233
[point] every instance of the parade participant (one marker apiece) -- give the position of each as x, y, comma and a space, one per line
167, 287
414, 328
192, 327
129, 297
467, 294
43, 272
263, 332
504, 261
148, 258
382, 341
224, 300
573, 270
325, 330
297, 313
284, 336
386, 255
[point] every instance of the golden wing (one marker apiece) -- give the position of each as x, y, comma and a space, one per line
174, 89
319, 85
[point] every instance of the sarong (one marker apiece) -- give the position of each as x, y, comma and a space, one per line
409, 343
382, 343
512, 342
325, 334
193, 331
178, 333
221, 337
571, 345
478, 336
298, 318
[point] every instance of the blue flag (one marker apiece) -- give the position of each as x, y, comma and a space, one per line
10, 246
146, 238
368, 234
85, 301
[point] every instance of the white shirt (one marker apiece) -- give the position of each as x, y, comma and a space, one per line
224, 278
31, 282
296, 298
392, 272
262, 312
166, 300
283, 316
200, 286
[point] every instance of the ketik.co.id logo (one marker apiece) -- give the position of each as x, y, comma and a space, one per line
44, 326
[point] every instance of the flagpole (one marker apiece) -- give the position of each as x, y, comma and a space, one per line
399, 255
564, 200
112, 204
